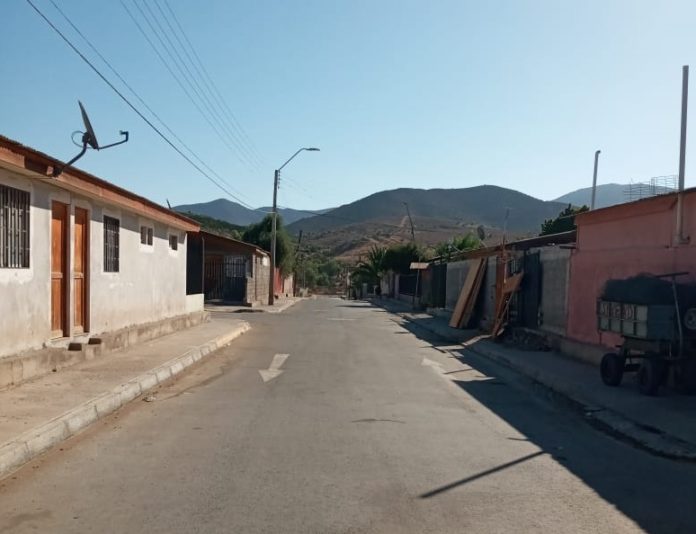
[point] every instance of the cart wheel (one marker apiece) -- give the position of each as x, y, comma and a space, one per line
651, 374
612, 369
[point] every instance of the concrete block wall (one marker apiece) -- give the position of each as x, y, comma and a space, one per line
485, 305
456, 274
257, 284
555, 265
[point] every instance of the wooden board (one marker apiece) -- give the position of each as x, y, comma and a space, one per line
511, 285
473, 296
465, 294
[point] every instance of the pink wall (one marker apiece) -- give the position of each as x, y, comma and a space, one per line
283, 285
623, 241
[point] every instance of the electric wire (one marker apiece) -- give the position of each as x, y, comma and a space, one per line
233, 128
128, 102
231, 114
217, 131
140, 99
191, 79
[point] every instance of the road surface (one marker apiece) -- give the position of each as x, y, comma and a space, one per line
333, 418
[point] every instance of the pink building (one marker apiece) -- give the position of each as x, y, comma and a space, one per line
622, 241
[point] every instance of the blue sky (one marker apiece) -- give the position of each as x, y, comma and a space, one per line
396, 93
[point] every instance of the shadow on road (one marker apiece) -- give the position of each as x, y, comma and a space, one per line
482, 474
656, 493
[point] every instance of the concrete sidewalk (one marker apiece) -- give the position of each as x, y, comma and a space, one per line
663, 425
280, 305
40, 413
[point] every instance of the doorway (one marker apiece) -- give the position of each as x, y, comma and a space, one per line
59, 241
81, 272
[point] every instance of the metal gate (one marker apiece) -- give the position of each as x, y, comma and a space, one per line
225, 278
530, 291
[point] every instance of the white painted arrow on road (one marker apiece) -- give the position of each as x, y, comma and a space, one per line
274, 370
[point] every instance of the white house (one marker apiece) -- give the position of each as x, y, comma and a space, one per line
80, 256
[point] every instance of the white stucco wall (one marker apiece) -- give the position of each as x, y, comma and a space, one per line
150, 284
25, 314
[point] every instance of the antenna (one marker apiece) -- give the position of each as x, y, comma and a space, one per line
89, 139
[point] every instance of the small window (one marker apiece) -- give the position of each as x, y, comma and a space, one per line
14, 228
146, 233
111, 244
174, 242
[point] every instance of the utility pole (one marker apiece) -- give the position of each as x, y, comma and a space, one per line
271, 286
297, 255
413, 240
413, 233
594, 179
681, 238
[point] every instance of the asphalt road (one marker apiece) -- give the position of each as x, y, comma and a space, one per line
363, 427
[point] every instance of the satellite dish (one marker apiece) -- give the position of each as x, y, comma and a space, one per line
481, 232
89, 139
89, 136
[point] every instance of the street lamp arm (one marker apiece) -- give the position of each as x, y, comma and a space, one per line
291, 158
271, 282
296, 153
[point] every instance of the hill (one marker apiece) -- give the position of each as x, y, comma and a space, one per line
231, 212
606, 195
486, 205
216, 225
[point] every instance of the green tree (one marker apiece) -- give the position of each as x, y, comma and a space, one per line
260, 234
217, 226
370, 270
564, 222
457, 244
398, 258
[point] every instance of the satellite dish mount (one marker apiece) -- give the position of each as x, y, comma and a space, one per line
89, 140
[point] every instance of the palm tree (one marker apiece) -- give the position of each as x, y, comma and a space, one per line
371, 269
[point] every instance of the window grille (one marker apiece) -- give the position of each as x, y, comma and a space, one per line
14, 228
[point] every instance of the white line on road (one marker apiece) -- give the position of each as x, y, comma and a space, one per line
273, 370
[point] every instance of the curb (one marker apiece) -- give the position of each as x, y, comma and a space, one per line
285, 306
652, 440
28, 445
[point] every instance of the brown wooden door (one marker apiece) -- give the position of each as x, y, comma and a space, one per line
81, 270
59, 240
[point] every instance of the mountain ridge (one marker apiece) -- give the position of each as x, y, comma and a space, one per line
482, 204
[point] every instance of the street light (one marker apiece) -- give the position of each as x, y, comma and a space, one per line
271, 284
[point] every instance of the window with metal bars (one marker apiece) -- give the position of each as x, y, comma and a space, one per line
111, 241
14, 228
146, 234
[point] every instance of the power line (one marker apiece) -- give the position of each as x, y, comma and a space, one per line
130, 88
121, 95
234, 129
249, 141
188, 77
176, 78
193, 82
